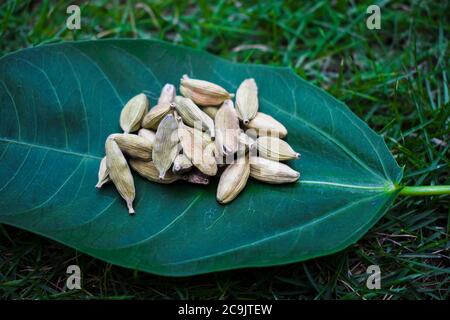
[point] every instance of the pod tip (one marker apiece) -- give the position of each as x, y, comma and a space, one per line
130, 207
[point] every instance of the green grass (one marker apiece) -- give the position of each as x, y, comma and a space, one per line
396, 79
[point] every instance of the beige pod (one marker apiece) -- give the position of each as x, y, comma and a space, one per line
210, 111
103, 174
233, 180
276, 149
227, 129
168, 93
198, 134
133, 145
247, 100
148, 135
193, 116
148, 170
120, 173
265, 125
133, 112
201, 156
152, 119
247, 141
209, 164
203, 93
181, 164
165, 148
272, 171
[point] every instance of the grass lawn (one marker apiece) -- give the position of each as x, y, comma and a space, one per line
395, 78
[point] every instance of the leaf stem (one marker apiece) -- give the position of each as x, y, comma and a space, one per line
424, 190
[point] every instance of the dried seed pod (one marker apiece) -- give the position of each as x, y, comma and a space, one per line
227, 129
233, 180
165, 148
133, 112
133, 145
210, 111
148, 170
266, 125
249, 142
271, 171
276, 149
209, 164
203, 93
148, 135
103, 174
202, 157
193, 116
168, 94
204, 136
120, 173
181, 164
247, 100
152, 119
196, 177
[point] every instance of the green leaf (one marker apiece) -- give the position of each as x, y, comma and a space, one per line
60, 102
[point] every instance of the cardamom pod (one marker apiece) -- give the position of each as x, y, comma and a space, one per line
193, 116
133, 112
271, 171
103, 174
247, 141
148, 135
209, 164
210, 111
148, 170
266, 125
120, 173
181, 164
247, 100
227, 129
204, 136
133, 145
196, 177
165, 148
233, 180
155, 115
203, 93
168, 94
276, 149
202, 157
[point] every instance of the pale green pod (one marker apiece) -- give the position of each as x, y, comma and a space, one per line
133, 145
233, 180
193, 116
165, 148
103, 174
247, 100
120, 173
148, 170
272, 171
276, 149
227, 129
133, 112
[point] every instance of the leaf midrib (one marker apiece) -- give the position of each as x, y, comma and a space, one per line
273, 236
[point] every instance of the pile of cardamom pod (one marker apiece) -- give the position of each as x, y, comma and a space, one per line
197, 136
